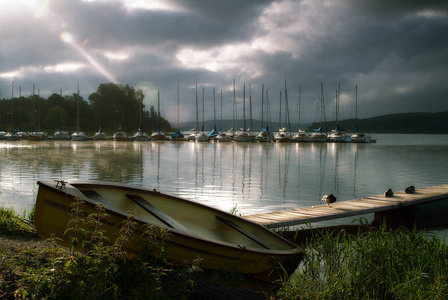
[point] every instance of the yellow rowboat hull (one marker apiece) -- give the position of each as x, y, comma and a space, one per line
223, 241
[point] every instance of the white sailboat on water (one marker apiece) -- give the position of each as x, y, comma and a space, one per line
317, 136
301, 135
13, 135
61, 134
359, 137
265, 135
195, 130
37, 135
100, 135
214, 133
337, 135
223, 136
242, 135
202, 136
283, 135
78, 135
158, 135
178, 136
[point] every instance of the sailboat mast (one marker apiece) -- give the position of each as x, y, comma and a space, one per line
178, 104
221, 111
356, 107
262, 105
287, 108
12, 106
34, 110
214, 107
321, 96
60, 111
267, 106
300, 93
38, 108
235, 116
356, 103
77, 109
280, 112
250, 106
244, 107
203, 108
158, 111
197, 108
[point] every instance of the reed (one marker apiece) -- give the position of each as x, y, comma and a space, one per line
379, 264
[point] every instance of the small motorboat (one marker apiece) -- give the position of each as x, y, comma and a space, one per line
224, 241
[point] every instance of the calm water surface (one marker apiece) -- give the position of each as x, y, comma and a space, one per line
250, 177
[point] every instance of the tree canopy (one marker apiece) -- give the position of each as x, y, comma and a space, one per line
110, 107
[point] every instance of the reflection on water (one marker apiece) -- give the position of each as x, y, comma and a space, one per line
251, 177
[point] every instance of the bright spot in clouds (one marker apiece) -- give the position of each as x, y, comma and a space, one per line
67, 37
116, 55
64, 67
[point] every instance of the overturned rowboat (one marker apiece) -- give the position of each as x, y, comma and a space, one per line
223, 241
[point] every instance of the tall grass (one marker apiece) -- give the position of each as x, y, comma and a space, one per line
10, 223
381, 264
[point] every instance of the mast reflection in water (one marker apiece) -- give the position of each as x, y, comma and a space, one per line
248, 177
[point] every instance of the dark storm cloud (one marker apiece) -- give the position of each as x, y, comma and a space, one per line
394, 50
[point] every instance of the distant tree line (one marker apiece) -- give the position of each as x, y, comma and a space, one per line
110, 107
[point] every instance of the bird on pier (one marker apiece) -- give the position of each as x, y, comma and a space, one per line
330, 198
410, 190
388, 193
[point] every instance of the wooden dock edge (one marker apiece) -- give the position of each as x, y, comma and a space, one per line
422, 206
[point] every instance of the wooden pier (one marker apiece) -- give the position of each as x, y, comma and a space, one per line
397, 206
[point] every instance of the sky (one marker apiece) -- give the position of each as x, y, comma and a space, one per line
396, 52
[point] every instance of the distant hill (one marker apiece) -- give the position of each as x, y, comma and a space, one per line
396, 123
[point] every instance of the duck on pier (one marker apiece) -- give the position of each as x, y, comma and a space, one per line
388, 193
410, 190
330, 198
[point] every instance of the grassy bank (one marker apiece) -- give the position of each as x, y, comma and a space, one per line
102, 269
372, 264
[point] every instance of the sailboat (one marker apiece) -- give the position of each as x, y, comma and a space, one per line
177, 136
214, 133
37, 135
202, 137
158, 135
301, 135
283, 135
2, 133
100, 135
195, 130
252, 135
78, 135
223, 136
13, 135
231, 132
242, 135
337, 135
265, 135
140, 136
61, 134
359, 137
317, 136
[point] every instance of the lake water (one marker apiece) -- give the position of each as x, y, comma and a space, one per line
250, 177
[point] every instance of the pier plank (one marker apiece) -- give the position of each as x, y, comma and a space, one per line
348, 208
